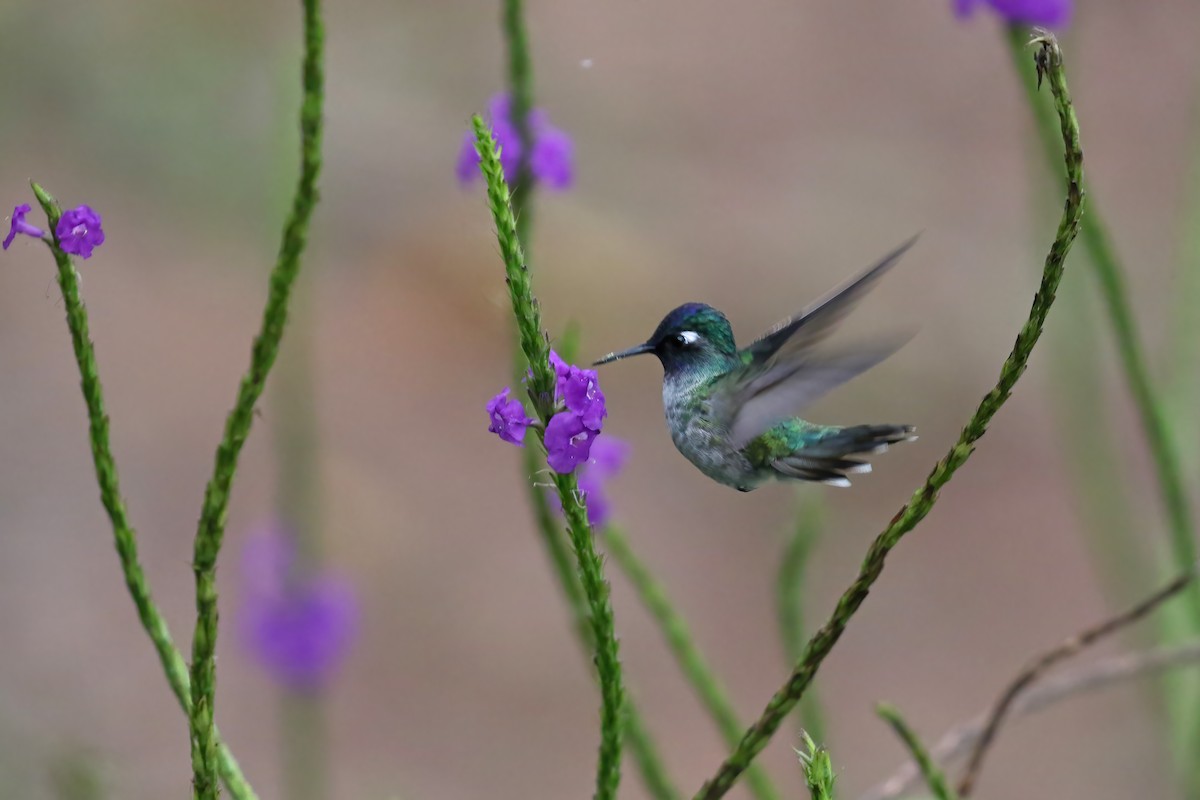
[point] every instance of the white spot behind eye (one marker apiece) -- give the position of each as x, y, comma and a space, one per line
689, 337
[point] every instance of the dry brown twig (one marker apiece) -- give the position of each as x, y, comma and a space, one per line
1040, 665
960, 739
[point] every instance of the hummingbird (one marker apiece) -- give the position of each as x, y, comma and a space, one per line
732, 412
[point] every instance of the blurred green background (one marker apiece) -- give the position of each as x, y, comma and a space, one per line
748, 155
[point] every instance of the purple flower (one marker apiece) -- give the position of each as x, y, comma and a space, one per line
607, 458
568, 442
581, 392
508, 418
552, 157
78, 231
579, 389
561, 370
1047, 13
298, 627
19, 225
553, 153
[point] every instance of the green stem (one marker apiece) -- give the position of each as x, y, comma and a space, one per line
520, 89
302, 721
302, 731
679, 639
1049, 62
520, 84
536, 346
124, 535
1168, 466
211, 529
1183, 395
645, 752
789, 605
638, 739
1095, 239
933, 776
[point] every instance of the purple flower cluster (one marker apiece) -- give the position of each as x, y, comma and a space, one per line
550, 161
298, 627
571, 431
1047, 13
78, 230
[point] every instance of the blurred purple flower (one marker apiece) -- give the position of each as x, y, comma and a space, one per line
19, 225
298, 627
508, 418
568, 442
606, 460
551, 161
79, 232
1047, 13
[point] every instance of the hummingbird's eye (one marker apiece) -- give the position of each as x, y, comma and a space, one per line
685, 339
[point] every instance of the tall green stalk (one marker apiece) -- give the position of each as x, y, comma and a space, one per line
536, 346
1097, 242
124, 535
520, 88
302, 726
304, 754
789, 605
1049, 61
520, 95
1183, 354
211, 529
1152, 413
695, 668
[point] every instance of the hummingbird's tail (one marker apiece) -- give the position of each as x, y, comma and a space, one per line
837, 453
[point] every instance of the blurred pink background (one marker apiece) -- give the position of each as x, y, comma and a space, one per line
750, 156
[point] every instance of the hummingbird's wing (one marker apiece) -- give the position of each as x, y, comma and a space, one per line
817, 321
782, 372
779, 392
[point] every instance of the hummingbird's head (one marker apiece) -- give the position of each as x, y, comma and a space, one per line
692, 337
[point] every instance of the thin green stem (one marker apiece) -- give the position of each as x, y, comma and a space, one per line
1098, 245
929, 770
645, 752
1049, 61
302, 721
211, 529
789, 605
1183, 354
520, 90
303, 746
520, 86
638, 739
1155, 423
124, 535
1084, 422
696, 669
536, 346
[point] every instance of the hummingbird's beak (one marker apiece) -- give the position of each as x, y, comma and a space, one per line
633, 351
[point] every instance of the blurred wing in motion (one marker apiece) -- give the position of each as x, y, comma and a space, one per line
779, 392
817, 321
782, 373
